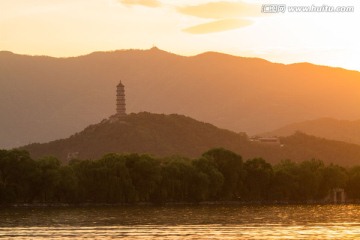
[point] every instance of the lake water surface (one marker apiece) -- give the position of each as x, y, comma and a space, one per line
183, 222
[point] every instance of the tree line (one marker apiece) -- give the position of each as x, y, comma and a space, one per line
218, 175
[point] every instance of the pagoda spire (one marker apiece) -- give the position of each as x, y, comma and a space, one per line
120, 100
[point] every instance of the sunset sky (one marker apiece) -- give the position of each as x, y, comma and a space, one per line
64, 28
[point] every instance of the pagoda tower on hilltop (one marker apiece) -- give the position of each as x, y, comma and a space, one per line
120, 100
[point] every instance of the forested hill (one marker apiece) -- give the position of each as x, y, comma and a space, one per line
329, 128
157, 134
167, 135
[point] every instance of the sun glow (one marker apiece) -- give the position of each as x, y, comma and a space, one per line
68, 28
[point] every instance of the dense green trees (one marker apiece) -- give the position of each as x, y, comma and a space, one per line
258, 179
230, 165
218, 175
306, 181
353, 185
18, 176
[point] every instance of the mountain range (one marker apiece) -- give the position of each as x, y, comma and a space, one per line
44, 98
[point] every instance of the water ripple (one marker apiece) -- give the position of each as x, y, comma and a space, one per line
190, 222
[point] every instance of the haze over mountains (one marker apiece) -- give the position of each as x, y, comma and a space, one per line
44, 98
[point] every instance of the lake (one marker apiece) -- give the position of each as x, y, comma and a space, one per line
182, 222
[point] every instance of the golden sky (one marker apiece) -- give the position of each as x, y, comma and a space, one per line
187, 27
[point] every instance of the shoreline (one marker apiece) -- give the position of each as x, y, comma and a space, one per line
169, 204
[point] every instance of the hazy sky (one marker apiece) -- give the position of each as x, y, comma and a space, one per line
186, 27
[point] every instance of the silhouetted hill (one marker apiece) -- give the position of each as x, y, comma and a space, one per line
166, 135
329, 128
157, 134
301, 146
44, 98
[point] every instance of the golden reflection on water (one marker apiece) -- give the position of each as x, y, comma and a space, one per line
204, 222
344, 231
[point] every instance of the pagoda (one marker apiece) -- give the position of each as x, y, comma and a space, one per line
120, 101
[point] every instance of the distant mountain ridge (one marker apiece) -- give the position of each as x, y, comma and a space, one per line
45, 98
167, 135
329, 128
